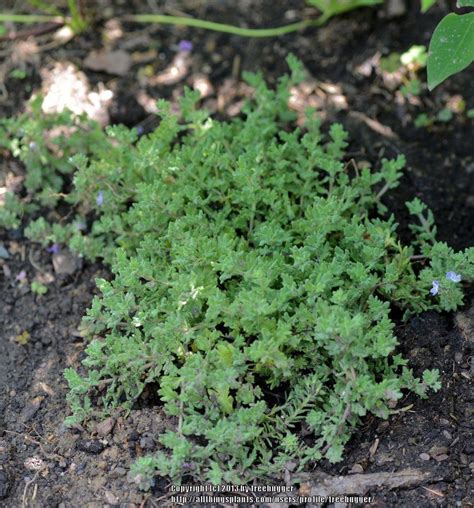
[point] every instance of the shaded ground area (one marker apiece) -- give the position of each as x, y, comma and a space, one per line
43, 464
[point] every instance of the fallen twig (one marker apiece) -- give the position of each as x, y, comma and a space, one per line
32, 32
322, 484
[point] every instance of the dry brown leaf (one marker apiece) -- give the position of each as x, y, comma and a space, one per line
201, 83
175, 72
113, 62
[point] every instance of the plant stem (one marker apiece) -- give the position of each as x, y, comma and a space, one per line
221, 27
182, 21
382, 191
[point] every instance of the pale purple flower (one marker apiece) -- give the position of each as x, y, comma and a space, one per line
21, 276
54, 249
32, 145
434, 290
100, 198
140, 130
453, 276
185, 46
80, 226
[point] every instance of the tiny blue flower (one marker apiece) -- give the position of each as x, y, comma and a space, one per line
54, 249
453, 276
100, 198
434, 290
140, 130
32, 146
186, 46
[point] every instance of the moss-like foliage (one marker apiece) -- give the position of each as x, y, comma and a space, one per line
253, 282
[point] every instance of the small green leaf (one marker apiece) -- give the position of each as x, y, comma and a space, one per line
427, 4
445, 115
465, 3
451, 47
423, 120
215, 474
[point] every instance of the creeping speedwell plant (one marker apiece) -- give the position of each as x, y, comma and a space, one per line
254, 276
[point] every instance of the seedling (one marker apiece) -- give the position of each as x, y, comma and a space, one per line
423, 120
412, 87
38, 288
18, 74
444, 115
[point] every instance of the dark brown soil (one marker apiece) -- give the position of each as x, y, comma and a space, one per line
43, 464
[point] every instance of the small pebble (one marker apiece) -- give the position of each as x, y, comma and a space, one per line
133, 436
424, 456
4, 254
66, 263
105, 427
356, 468
46, 340
90, 446
111, 498
437, 450
31, 408
469, 447
102, 465
147, 443
395, 8
4, 484
118, 472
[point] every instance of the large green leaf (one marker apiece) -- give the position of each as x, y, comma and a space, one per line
451, 47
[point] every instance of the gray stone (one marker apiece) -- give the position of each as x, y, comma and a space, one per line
66, 263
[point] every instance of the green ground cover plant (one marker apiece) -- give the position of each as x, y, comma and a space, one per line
255, 270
